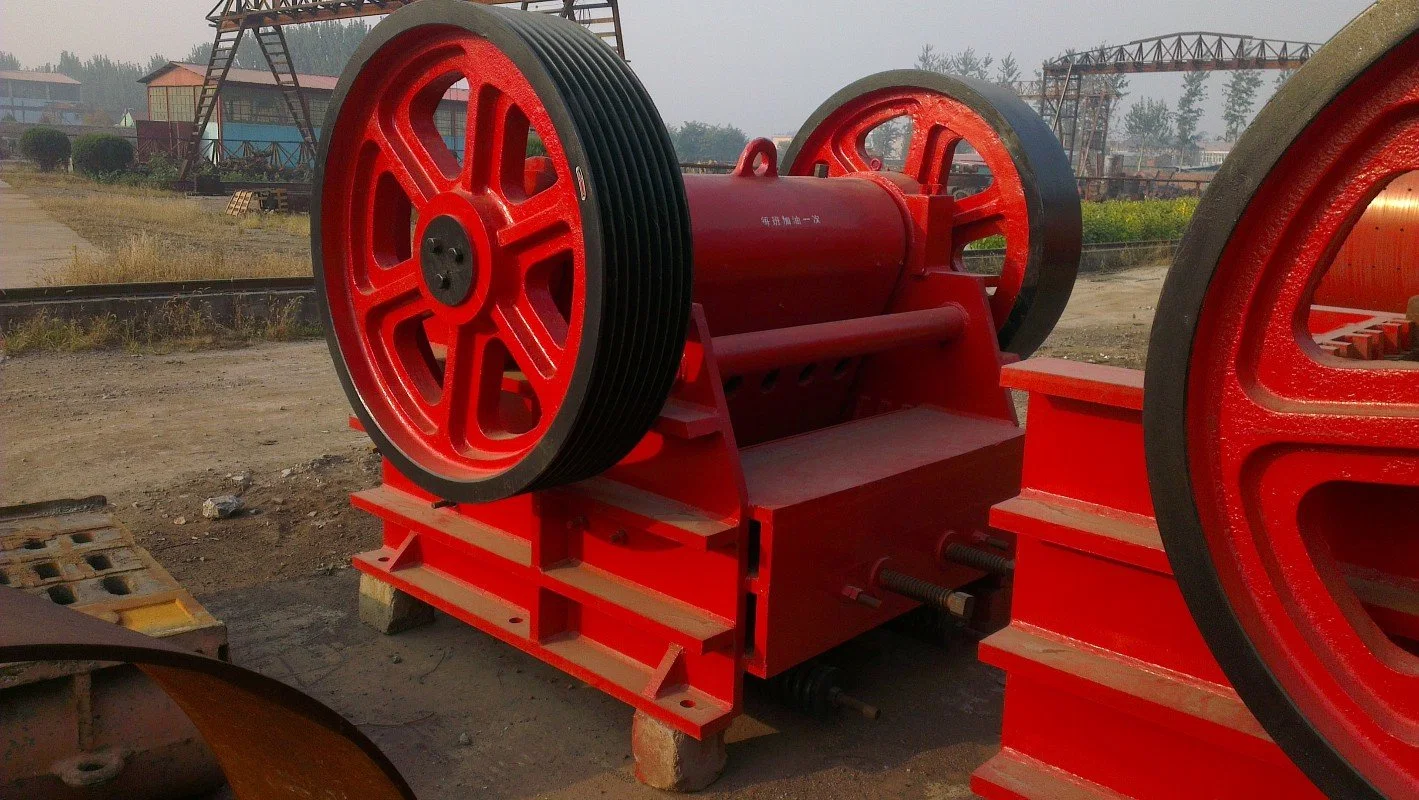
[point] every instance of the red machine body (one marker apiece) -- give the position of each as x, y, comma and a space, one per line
1112, 690
1215, 593
849, 416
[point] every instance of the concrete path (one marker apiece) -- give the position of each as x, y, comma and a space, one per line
32, 243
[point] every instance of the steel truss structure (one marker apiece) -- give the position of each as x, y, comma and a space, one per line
1078, 104
264, 19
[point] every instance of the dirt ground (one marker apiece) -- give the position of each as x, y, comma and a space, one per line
159, 433
1108, 319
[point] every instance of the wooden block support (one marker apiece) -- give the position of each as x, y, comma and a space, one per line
672, 760
388, 610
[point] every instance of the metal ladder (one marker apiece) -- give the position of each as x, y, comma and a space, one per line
219, 63
278, 58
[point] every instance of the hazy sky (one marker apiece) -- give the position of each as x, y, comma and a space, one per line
761, 65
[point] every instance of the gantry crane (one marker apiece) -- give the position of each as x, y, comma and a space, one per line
264, 19
1080, 115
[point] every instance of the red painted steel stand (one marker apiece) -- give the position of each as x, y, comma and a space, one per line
1111, 691
664, 591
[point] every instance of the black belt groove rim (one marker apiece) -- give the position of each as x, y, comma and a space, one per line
1367, 40
637, 233
1051, 191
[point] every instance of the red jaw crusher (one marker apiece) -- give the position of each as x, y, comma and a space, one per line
664, 430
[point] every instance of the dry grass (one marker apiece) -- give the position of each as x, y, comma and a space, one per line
180, 324
155, 235
145, 257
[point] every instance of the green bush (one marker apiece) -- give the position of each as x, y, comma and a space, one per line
1137, 220
46, 147
1125, 221
98, 154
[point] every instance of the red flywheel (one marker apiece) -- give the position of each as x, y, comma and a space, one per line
1032, 200
1286, 480
506, 305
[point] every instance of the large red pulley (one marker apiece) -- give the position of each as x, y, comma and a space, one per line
1286, 479
500, 323
505, 321
1032, 200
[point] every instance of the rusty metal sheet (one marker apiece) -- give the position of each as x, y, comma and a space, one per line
272, 741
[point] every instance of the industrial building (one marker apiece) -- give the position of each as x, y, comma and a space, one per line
40, 97
251, 119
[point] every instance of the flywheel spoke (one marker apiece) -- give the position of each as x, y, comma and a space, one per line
531, 344
473, 374
930, 153
412, 166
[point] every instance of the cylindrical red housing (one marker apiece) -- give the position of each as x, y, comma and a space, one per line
777, 252
1378, 266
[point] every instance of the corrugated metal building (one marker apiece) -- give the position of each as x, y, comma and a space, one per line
40, 97
251, 120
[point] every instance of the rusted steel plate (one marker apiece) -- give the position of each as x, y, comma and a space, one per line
93, 728
272, 741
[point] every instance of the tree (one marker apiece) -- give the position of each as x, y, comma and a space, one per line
1190, 108
886, 140
1007, 73
9, 61
1149, 124
700, 142
1241, 98
109, 86
967, 63
928, 60
98, 154
46, 147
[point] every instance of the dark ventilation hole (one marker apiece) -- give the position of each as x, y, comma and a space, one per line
732, 385
34, 544
687, 703
840, 369
751, 620
99, 562
62, 595
751, 556
46, 571
81, 538
116, 584
805, 376
4, 579
769, 382
90, 766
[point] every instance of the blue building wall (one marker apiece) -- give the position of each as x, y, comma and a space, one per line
287, 140
25, 109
